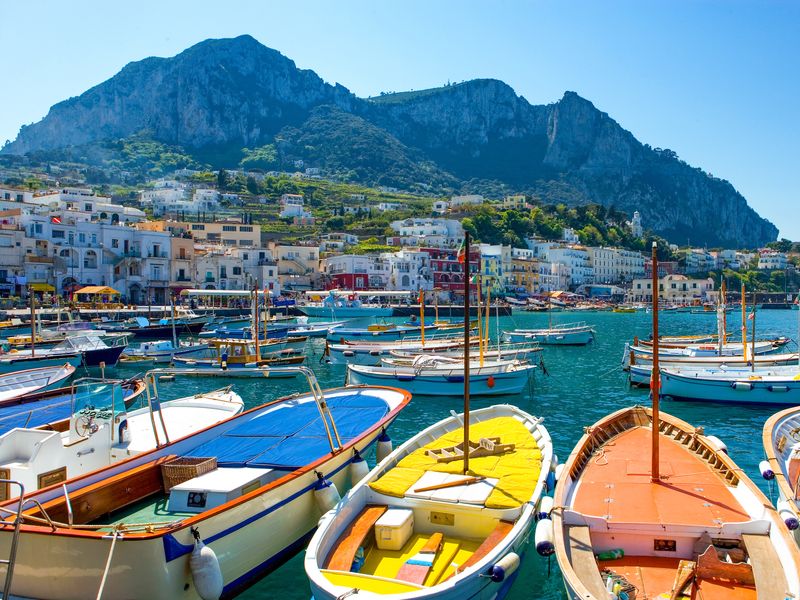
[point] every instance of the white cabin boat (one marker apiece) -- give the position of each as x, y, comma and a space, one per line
567, 334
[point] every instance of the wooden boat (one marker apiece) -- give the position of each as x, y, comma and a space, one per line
707, 348
765, 385
142, 328
237, 354
475, 533
697, 350
567, 334
99, 433
371, 354
506, 352
12, 362
781, 439
701, 528
443, 376
21, 383
639, 372
163, 351
252, 488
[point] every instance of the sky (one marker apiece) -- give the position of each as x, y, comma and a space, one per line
717, 81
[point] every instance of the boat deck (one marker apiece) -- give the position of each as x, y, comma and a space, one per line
149, 510
617, 487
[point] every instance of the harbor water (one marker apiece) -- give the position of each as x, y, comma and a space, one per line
578, 386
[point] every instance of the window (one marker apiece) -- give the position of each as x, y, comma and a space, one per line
37, 228
156, 272
82, 238
197, 226
58, 234
87, 207
223, 272
246, 228
228, 228
181, 275
115, 243
237, 270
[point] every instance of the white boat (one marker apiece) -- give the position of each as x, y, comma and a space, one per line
20, 383
766, 385
372, 544
696, 528
98, 435
782, 449
314, 330
630, 357
442, 376
252, 488
639, 374
339, 304
163, 351
253, 372
505, 352
371, 354
568, 334
713, 350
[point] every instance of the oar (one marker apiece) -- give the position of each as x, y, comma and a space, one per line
449, 484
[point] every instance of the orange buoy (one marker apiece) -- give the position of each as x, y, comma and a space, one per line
490, 381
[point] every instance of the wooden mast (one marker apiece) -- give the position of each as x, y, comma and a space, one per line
257, 319
655, 377
33, 322
744, 324
486, 322
480, 320
466, 353
753, 336
422, 315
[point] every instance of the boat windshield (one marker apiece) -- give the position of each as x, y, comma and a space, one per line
95, 396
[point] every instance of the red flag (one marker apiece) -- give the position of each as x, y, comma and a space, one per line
56, 220
751, 316
461, 253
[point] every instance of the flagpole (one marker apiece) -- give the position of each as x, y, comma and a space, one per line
655, 378
466, 354
744, 324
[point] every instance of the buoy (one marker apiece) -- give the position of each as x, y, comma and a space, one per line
766, 471
543, 537
490, 381
559, 472
788, 515
717, 443
550, 481
206, 574
384, 448
358, 468
325, 493
545, 506
504, 567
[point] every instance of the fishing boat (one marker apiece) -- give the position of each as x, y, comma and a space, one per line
443, 376
242, 354
686, 523
639, 372
365, 353
505, 352
567, 334
781, 439
143, 328
765, 385
163, 351
102, 432
339, 304
252, 488
271, 332
374, 333
314, 330
13, 361
418, 527
21, 383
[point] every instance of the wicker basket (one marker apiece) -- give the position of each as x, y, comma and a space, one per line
185, 468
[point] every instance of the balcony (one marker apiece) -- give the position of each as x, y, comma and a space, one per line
182, 279
156, 255
210, 279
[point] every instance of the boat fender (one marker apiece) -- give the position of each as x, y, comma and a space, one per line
325, 493
788, 515
766, 471
545, 507
559, 472
504, 567
123, 434
358, 468
742, 385
224, 361
384, 448
206, 573
717, 443
550, 481
348, 353
543, 537
490, 381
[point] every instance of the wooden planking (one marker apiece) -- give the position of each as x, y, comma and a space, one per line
418, 573
498, 534
581, 557
767, 571
344, 550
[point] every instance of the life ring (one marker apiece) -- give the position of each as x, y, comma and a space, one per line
490, 381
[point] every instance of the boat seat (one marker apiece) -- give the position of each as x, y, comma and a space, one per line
20, 447
581, 557
497, 535
344, 551
769, 577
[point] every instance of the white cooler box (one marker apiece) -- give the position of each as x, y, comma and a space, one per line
394, 528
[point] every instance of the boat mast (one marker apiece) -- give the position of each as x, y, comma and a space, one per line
466, 352
174, 333
33, 322
744, 324
720, 318
655, 377
753, 336
422, 315
486, 322
258, 343
480, 320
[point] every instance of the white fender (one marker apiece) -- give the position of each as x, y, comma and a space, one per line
206, 573
504, 567
545, 507
543, 537
788, 515
717, 443
384, 448
559, 472
326, 494
358, 469
766, 471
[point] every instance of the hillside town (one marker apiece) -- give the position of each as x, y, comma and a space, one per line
180, 237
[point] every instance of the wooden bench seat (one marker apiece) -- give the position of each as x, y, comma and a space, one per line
344, 551
767, 572
497, 535
581, 557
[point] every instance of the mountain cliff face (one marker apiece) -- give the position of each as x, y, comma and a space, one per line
238, 93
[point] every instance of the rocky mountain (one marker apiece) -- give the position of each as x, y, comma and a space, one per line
221, 96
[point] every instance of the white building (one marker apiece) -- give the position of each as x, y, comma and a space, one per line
569, 236
770, 260
292, 205
615, 265
15, 195
673, 289
409, 270
84, 200
441, 206
726, 259
436, 233
337, 242
466, 200
699, 261
636, 224
387, 206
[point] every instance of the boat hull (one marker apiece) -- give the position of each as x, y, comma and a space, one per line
740, 390
552, 338
340, 312
8, 364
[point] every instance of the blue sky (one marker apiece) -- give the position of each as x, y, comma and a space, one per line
718, 82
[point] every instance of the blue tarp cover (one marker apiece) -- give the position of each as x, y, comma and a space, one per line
292, 435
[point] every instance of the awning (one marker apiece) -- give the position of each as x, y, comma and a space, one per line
41, 287
98, 290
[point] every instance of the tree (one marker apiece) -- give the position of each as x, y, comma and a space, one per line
222, 180
782, 245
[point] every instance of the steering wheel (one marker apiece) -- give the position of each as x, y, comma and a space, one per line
85, 425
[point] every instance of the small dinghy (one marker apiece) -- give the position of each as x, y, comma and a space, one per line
782, 447
23, 383
568, 334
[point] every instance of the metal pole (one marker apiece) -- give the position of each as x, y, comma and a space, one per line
33, 322
466, 353
655, 378
753, 336
744, 324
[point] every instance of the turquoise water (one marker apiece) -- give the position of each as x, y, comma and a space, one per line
583, 385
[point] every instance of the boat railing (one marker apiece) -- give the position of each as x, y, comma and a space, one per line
10, 562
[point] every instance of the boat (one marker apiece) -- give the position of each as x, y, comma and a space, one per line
272, 332
623, 309
143, 328
505, 352
711, 350
163, 351
374, 333
688, 523
639, 371
92, 350
266, 371
567, 334
782, 449
242, 354
14, 360
416, 527
314, 330
22, 383
765, 385
206, 515
338, 304
102, 432
366, 353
